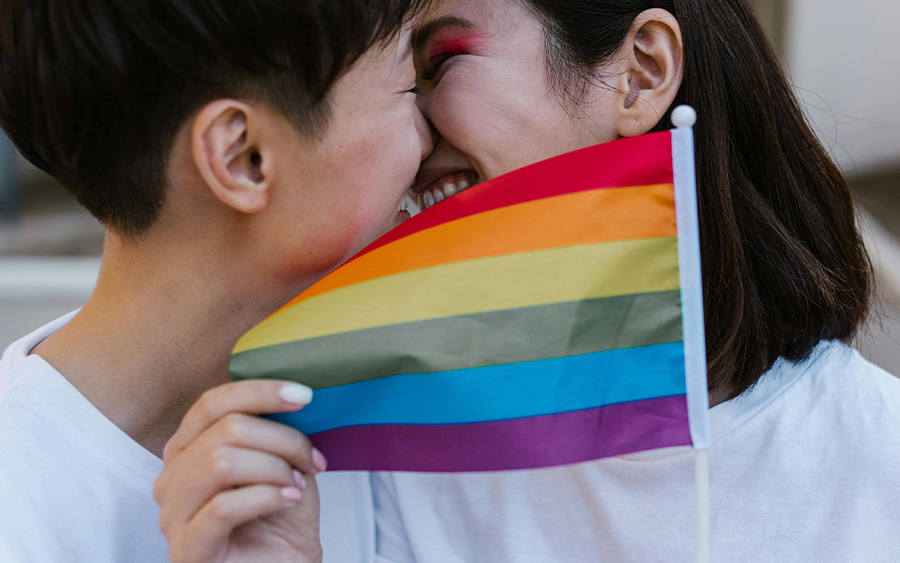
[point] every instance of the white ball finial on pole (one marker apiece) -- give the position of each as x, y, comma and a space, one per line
684, 117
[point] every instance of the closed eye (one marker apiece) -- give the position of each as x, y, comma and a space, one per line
430, 72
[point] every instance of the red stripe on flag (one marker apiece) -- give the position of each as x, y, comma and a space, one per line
635, 161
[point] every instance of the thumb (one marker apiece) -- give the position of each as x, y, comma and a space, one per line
300, 523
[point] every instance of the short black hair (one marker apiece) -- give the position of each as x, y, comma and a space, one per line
94, 91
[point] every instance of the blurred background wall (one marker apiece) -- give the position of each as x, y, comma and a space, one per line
841, 56
842, 59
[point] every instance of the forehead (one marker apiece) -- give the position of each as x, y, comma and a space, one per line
470, 7
494, 17
382, 64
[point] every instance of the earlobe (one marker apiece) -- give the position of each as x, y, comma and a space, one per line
226, 150
652, 56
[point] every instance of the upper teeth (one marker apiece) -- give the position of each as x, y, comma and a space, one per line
439, 194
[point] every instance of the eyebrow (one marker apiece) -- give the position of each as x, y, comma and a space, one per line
421, 35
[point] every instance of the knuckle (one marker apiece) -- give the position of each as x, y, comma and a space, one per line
167, 451
233, 427
158, 488
221, 462
206, 404
220, 509
164, 520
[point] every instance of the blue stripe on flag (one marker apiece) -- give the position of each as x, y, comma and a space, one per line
499, 392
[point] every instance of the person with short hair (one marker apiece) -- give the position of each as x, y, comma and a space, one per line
805, 453
236, 152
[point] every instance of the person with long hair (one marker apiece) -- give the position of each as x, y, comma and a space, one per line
805, 454
806, 434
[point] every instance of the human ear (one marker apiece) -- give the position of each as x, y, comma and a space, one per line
652, 57
227, 148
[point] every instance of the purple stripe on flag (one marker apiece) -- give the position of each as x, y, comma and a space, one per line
522, 443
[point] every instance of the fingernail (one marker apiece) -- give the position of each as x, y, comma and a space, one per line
318, 459
299, 480
291, 494
295, 393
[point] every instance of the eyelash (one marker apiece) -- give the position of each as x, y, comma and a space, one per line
430, 72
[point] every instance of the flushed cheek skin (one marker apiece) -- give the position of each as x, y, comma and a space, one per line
351, 180
493, 103
377, 157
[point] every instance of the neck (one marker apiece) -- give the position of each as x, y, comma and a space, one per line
156, 333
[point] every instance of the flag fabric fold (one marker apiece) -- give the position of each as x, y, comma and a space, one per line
534, 320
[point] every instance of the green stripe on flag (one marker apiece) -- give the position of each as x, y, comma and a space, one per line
497, 283
481, 339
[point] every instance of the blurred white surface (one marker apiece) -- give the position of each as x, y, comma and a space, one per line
36, 290
843, 57
879, 341
24, 278
884, 251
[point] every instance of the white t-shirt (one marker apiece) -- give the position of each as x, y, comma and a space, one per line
804, 468
75, 488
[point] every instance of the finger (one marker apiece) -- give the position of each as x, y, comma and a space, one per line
235, 467
237, 450
213, 449
268, 436
207, 534
193, 480
250, 397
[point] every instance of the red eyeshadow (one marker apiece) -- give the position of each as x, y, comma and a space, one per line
451, 46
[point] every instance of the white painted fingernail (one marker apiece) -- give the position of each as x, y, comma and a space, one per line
318, 459
296, 393
291, 494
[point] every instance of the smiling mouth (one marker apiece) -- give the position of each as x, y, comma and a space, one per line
417, 199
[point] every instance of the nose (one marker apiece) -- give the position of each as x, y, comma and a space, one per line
426, 135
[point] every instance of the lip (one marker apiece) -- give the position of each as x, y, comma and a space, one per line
401, 217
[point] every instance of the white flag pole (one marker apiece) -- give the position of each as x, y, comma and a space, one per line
701, 475
684, 118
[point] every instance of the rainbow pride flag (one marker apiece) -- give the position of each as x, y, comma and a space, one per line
549, 316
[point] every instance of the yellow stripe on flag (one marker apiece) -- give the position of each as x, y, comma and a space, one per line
566, 220
477, 286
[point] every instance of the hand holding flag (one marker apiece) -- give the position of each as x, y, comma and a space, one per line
542, 318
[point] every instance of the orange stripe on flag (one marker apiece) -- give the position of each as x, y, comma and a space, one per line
555, 222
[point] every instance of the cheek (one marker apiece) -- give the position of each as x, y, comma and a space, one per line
379, 166
462, 110
492, 124
395, 148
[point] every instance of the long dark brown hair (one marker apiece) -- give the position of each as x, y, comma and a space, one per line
784, 265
